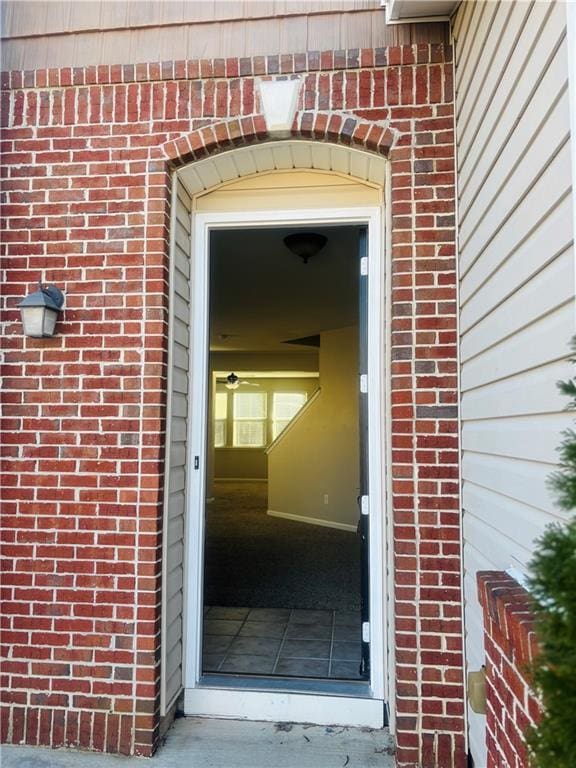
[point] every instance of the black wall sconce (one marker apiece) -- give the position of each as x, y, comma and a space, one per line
40, 310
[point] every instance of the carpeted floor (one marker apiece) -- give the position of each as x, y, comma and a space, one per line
258, 561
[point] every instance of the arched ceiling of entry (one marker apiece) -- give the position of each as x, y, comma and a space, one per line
262, 296
203, 175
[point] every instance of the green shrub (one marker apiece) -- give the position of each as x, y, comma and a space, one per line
553, 584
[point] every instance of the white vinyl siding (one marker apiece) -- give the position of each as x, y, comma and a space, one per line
517, 284
177, 450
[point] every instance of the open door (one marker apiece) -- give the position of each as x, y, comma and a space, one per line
364, 522
286, 575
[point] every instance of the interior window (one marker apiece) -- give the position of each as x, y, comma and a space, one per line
220, 417
285, 405
249, 419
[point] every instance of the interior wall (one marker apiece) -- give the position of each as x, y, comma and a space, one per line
252, 463
313, 470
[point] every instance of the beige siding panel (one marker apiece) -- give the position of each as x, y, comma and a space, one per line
143, 40
522, 481
517, 311
510, 142
493, 278
325, 197
484, 32
473, 34
462, 23
287, 180
23, 18
172, 43
492, 40
261, 38
84, 16
114, 15
533, 438
523, 394
292, 32
495, 242
358, 26
526, 305
533, 50
175, 511
533, 346
291, 190
41, 17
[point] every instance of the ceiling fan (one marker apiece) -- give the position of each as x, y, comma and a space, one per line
233, 382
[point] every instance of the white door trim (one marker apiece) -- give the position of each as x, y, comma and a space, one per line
200, 699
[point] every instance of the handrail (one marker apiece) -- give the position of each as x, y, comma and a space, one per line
296, 418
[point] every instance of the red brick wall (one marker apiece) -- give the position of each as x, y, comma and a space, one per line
510, 644
87, 156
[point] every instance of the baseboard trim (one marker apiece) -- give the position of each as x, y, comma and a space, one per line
240, 480
313, 521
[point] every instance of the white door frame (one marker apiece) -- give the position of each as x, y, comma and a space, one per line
270, 704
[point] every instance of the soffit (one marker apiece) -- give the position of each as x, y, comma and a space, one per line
411, 10
213, 172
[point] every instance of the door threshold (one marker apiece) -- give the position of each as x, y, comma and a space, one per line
354, 688
212, 698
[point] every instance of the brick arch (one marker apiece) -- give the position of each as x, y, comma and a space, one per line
334, 127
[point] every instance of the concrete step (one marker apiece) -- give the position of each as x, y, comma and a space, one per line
205, 743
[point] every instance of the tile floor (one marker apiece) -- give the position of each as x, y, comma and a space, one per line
277, 641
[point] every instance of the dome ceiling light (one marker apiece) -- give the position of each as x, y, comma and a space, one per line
305, 244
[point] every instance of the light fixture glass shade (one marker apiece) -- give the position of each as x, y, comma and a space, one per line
39, 311
38, 321
305, 244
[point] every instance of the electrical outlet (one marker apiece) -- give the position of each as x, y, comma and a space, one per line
325, 498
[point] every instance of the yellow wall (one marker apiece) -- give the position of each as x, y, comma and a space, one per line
318, 456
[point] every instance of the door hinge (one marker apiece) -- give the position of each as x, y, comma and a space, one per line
364, 507
365, 631
364, 265
363, 383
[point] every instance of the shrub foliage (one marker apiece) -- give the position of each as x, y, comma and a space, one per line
553, 584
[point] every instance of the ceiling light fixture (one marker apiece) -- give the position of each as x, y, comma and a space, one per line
232, 381
305, 244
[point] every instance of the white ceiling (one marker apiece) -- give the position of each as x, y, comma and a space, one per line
262, 295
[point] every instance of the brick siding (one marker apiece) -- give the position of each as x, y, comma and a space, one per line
87, 159
510, 644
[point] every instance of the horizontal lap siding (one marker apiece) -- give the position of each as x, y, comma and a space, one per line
297, 190
177, 452
517, 284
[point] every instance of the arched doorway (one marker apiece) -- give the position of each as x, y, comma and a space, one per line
282, 187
